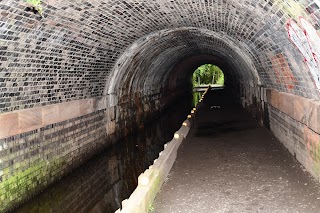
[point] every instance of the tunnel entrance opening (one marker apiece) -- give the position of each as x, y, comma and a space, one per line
204, 76
208, 74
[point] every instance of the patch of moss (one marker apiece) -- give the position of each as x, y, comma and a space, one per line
26, 183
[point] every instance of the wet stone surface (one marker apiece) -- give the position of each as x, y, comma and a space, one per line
230, 164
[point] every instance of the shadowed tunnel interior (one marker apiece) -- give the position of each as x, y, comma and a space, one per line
76, 76
165, 61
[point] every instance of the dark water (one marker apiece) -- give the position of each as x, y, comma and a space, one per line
104, 181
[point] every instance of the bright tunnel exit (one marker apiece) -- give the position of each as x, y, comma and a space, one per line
207, 74
204, 76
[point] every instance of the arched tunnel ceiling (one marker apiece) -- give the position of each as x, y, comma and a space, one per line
150, 62
74, 50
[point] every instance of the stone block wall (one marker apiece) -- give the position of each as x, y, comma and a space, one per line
90, 184
294, 120
32, 160
40, 147
110, 177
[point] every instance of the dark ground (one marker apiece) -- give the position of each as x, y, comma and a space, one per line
230, 164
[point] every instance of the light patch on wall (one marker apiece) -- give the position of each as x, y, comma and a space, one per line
312, 37
301, 38
313, 147
293, 8
282, 71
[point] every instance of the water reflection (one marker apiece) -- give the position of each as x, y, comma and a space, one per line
196, 97
104, 181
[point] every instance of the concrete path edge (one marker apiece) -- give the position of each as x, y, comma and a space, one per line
151, 180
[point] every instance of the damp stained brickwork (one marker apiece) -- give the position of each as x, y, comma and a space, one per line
70, 52
104, 181
33, 160
157, 51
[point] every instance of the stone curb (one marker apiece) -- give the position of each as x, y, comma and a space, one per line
150, 181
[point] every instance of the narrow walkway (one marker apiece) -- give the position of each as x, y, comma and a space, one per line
230, 164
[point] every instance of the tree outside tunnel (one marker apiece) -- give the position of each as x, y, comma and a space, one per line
207, 74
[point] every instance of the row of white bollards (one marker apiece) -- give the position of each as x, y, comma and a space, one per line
151, 180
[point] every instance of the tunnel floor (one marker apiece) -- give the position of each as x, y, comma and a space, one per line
228, 163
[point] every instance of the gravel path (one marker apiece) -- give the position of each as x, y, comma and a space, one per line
230, 164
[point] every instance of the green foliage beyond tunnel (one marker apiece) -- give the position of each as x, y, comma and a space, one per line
207, 74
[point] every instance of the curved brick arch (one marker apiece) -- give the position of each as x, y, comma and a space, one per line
78, 43
147, 65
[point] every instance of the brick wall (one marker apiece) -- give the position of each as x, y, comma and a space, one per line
71, 51
33, 160
299, 139
122, 55
111, 176
294, 120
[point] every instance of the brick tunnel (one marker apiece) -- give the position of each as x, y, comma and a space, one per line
76, 76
